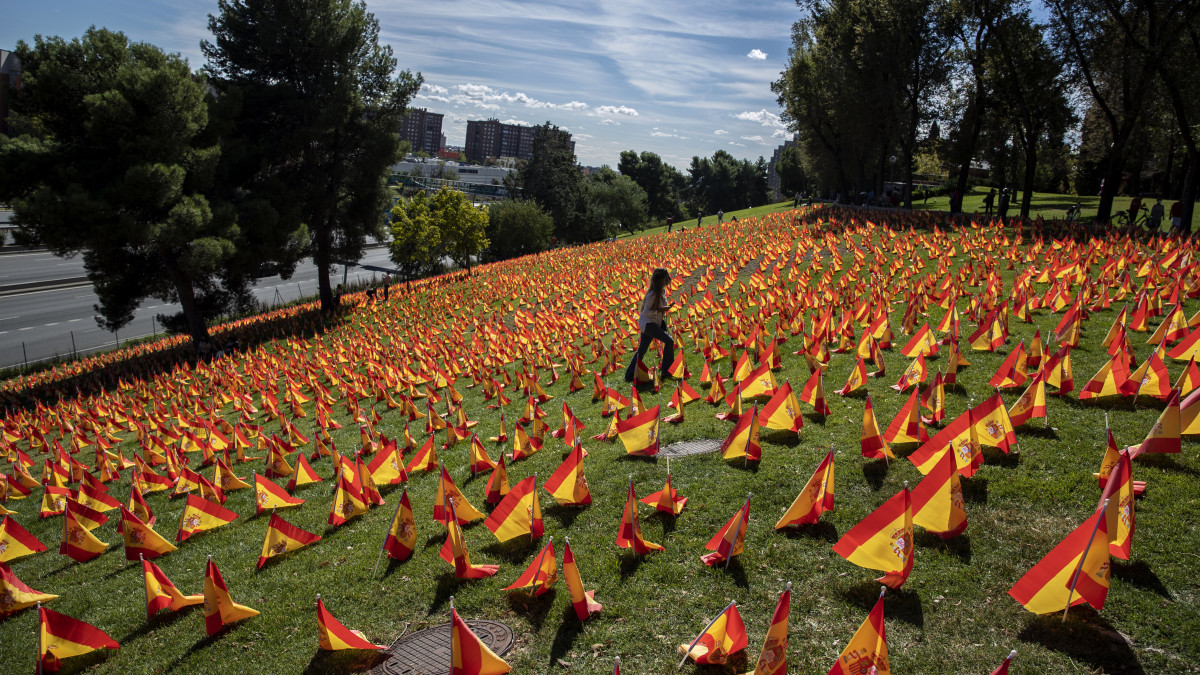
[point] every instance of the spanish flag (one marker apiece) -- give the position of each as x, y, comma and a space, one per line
1073, 572
16, 541
567, 484
1032, 402
305, 474
583, 601
201, 515
60, 637
857, 378
348, 502
425, 459
401, 539
17, 595
667, 499
639, 433
813, 392
883, 540
78, 542
773, 658
161, 593
937, 501
454, 551
523, 445
992, 426
816, 497
541, 573
283, 537
867, 650
872, 443
1110, 380
723, 636
141, 541
332, 635
219, 608
268, 495
783, 411
54, 500
497, 485
446, 491
958, 437
479, 460
1119, 514
519, 513
468, 654
1164, 435
730, 539
743, 440
630, 533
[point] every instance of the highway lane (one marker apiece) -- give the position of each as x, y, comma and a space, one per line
44, 321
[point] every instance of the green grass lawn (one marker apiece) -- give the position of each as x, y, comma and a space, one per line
1047, 204
952, 616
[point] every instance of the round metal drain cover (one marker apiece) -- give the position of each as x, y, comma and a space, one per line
427, 652
697, 447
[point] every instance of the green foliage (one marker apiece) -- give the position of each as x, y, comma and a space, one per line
415, 238
321, 104
662, 182
611, 202
517, 227
790, 169
462, 225
553, 180
726, 184
110, 161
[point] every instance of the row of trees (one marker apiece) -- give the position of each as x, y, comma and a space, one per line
870, 83
177, 184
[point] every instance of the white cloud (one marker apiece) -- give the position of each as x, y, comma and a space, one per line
720, 132
764, 117
513, 120
780, 133
757, 54
608, 122
617, 110
434, 89
574, 105
661, 134
754, 139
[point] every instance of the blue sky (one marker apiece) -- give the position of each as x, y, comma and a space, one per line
675, 77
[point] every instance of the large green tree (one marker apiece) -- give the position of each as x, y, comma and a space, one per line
611, 202
553, 180
517, 227
108, 161
461, 224
662, 182
416, 239
319, 105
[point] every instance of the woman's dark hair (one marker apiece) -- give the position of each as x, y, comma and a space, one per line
658, 284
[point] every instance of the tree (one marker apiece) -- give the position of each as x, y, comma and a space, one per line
553, 180
611, 201
416, 239
517, 227
461, 225
109, 162
321, 110
661, 182
790, 169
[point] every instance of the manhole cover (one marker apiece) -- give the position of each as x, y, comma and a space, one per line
427, 652
697, 447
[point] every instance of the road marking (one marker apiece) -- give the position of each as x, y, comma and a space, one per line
74, 320
54, 324
9, 317
25, 328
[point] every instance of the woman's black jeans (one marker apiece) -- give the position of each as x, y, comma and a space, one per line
653, 331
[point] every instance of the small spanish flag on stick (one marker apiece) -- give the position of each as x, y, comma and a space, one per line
332, 635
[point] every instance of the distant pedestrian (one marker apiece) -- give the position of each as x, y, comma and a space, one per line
670, 223
796, 200
1177, 217
387, 282
1003, 211
720, 217
988, 202
700, 219
1135, 206
1156, 215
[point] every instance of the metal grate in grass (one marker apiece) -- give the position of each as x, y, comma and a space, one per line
427, 652
697, 447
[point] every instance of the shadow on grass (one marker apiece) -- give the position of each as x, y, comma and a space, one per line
568, 630
514, 550
815, 418
974, 489
959, 547
667, 519
438, 540
1038, 431
997, 457
735, 571
629, 562
84, 662
1085, 637
900, 604
447, 583
1167, 463
344, 661
565, 515
903, 450
535, 609
123, 568
743, 464
393, 564
822, 530
159, 620
1139, 574
874, 472
787, 439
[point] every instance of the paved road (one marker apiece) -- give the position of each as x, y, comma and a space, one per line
43, 321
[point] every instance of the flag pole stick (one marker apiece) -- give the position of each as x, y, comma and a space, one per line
383, 547
1082, 558
538, 567
616, 665
531, 537
39, 634
736, 530
688, 651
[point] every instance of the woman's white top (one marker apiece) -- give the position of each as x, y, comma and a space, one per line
653, 306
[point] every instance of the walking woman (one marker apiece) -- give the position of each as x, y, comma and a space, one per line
651, 324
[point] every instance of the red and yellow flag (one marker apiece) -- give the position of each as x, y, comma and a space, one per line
268, 495
454, 551
883, 540
15, 594
992, 426
141, 541
872, 443
78, 542
584, 601
1164, 435
667, 499
401, 539
743, 440
906, 425
783, 411
161, 593
937, 501
201, 515
772, 660
348, 501
16, 541
219, 608
283, 537
519, 513
1073, 572
639, 433
567, 484
958, 437
463, 509
630, 533
497, 485
729, 540
425, 459
723, 636
867, 650
541, 573
60, 637
1032, 402
468, 654
816, 497
1119, 514
332, 635
304, 474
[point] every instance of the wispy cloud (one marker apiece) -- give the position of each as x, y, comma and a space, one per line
764, 117
617, 110
757, 54
720, 132
753, 139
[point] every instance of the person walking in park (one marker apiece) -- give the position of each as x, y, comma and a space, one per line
1156, 215
651, 324
720, 217
670, 223
1003, 211
1177, 218
988, 202
1135, 205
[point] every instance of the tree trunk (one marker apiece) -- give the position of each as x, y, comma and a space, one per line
1189, 190
197, 327
908, 177
1030, 174
966, 152
321, 260
1112, 181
